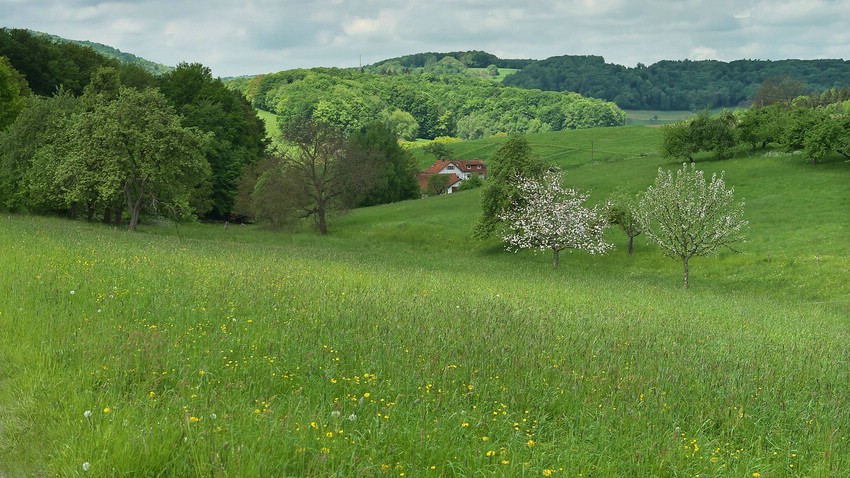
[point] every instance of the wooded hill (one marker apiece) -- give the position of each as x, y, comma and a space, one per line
676, 85
667, 85
114, 53
423, 105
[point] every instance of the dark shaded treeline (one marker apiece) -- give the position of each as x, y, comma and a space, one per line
237, 137
676, 85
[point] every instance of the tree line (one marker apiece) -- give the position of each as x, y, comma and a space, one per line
178, 145
814, 126
83, 135
525, 203
469, 59
423, 105
676, 85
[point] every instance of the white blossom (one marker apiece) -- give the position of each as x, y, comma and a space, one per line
548, 216
687, 217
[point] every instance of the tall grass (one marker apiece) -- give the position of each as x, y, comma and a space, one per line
398, 346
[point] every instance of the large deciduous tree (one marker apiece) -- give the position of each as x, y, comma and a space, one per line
393, 167
704, 132
317, 173
513, 159
239, 137
27, 159
134, 148
781, 89
688, 217
13, 93
547, 216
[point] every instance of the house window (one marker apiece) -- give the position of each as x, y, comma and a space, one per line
479, 166
450, 167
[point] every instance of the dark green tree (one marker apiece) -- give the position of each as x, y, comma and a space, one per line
511, 161
471, 182
13, 93
26, 142
239, 137
325, 173
761, 126
438, 184
704, 132
394, 167
133, 147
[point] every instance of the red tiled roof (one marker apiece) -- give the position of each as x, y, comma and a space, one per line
425, 176
460, 164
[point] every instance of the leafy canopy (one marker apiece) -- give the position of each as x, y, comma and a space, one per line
547, 216
686, 217
512, 160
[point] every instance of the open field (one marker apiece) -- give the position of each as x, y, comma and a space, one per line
398, 346
650, 117
482, 73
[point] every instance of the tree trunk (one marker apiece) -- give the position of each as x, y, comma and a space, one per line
119, 211
685, 263
134, 205
555, 259
631, 244
320, 220
134, 219
107, 215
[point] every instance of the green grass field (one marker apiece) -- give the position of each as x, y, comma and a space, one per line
482, 73
651, 117
398, 346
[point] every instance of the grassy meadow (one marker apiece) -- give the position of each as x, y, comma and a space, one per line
398, 346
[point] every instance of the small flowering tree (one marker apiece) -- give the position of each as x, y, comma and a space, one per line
687, 217
547, 216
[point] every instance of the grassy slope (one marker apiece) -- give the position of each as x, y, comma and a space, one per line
250, 340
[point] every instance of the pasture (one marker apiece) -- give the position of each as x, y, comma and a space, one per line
399, 346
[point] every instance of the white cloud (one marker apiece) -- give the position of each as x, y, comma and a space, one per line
236, 37
702, 53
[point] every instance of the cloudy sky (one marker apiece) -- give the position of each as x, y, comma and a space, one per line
257, 36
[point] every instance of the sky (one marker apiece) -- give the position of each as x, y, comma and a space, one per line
248, 37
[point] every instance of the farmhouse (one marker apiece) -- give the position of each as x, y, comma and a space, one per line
457, 170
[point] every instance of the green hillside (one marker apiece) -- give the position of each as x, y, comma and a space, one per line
679, 85
114, 53
399, 346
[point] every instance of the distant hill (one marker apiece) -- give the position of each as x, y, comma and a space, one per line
675, 85
110, 52
469, 59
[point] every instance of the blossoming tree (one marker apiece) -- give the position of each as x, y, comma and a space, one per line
547, 216
687, 217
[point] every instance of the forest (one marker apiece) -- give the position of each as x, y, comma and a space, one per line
676, 85
86, 135
442, 102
